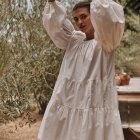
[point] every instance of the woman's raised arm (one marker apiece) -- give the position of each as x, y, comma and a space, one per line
55, 21
108, 20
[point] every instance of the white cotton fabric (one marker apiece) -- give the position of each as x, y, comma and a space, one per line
84, 102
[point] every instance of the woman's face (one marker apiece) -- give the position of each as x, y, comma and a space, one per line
83, 22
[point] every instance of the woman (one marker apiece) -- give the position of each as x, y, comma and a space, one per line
84, 102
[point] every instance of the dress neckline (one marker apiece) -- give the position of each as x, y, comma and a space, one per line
88, 40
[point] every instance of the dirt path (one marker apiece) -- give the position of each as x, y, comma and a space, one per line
19, 131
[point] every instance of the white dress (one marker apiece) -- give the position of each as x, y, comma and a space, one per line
84, 102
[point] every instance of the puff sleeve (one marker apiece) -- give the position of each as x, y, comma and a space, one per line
58, 27
108, 21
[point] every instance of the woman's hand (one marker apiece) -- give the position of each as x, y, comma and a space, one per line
51, 0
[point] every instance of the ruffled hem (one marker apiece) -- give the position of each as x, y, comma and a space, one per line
69, 123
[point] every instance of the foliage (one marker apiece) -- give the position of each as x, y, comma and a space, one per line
134, 6
128, 55
29, 62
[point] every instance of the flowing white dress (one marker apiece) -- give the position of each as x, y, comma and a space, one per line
84, 103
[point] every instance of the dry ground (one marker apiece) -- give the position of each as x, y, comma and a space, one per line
19, 131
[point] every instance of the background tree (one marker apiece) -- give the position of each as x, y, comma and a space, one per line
134, 6
29, 62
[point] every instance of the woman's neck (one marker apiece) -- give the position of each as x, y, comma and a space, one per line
90, 35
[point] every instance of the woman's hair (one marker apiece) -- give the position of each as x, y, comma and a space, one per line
82, 5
